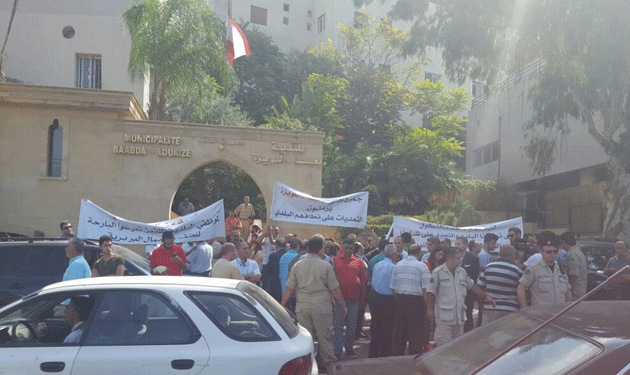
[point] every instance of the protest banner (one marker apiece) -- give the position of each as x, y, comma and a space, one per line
422, 230
294, 206
204, 224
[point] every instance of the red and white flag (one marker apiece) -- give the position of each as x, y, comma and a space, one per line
236, 44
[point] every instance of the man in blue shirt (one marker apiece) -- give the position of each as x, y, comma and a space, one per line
294, 247
78, 267
382, 305
489, 244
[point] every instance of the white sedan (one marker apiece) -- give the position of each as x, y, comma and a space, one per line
152, 325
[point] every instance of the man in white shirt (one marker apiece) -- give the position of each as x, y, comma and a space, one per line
198, 259
76, 313
248, 268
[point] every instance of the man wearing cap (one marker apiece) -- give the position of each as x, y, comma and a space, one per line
544, 279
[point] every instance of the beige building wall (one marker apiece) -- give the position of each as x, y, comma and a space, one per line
128, 166
37, 51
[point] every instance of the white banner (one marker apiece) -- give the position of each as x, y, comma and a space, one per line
294, 206
421, 230
200, 225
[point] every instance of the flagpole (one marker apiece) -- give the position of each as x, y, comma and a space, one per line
229, 8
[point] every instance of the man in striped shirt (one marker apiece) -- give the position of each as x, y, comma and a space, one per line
500, 280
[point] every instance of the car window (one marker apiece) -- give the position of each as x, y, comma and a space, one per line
234, 316
47, 262
137, 318
13, 259
33, 261
41, 321
597, 256
553, 348
288, 324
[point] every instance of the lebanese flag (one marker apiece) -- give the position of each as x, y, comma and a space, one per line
236, 44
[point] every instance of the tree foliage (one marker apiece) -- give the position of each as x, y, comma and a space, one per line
583, 46
175, 44
359, 104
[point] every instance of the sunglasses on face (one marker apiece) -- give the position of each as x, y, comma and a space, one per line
550, 251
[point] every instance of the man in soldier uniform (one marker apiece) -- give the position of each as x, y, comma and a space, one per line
313, 280
448, 286
544, 279
245, 212
576, 265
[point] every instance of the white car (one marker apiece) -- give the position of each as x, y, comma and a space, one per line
153, 325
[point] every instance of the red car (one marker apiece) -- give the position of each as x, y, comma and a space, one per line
591, 338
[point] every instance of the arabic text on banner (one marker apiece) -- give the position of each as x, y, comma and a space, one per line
294, 206
204, 224
421, 230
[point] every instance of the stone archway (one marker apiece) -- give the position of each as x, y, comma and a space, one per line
128, 166
265, 155
216, 180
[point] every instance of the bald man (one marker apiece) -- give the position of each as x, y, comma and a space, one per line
500, 280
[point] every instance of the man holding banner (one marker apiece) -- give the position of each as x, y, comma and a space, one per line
169, 255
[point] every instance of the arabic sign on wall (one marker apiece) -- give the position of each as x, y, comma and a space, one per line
200, 225
294, 206
421, 230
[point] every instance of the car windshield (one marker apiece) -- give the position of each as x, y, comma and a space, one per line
134, 258
549, 351
275, 309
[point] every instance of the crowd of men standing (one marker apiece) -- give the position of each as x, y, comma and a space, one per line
414, 291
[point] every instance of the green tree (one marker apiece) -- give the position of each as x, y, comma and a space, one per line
174, 44
358, 101
260, 76
583, 46
205, 105
220, 180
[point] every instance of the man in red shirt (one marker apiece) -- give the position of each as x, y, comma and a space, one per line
352, 277
169, 255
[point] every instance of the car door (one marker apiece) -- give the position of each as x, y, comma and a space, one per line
41, 317
141, 332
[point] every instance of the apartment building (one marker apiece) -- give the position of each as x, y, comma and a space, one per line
570, 195
69, 43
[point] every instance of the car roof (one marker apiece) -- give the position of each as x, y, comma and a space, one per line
598, 320
144, 282
41, 242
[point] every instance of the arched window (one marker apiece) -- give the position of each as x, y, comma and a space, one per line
55, 145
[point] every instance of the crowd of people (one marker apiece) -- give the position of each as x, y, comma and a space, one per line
417, 293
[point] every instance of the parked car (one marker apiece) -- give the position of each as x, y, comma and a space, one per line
8, 236
591, 338
597, 254
155, 325
28, 264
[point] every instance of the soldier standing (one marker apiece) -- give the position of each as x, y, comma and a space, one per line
544, 279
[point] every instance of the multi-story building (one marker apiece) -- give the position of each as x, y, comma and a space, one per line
302, 24
69, 43
570, 195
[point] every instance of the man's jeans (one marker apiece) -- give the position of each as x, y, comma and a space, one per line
346, 340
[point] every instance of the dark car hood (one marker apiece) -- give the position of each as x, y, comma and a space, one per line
377, 366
